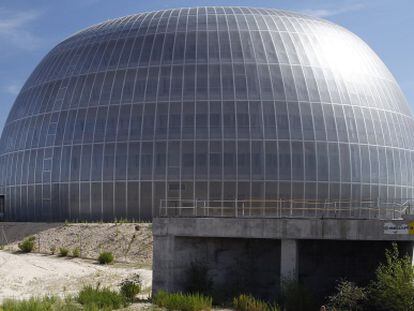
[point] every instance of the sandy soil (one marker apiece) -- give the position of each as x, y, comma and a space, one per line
26, 275
129, 242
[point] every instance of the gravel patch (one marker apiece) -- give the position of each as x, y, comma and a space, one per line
25, 275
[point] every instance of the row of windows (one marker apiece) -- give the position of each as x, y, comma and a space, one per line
310, 26
211, 120
141, 201
214, 82
149, 50
116, 46
206, 19
215, 160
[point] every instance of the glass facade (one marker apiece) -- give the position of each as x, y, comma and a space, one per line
204, 103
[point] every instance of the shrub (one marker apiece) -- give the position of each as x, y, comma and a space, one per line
131, 287
249, 303
35, 304
393, 287
41, 304
198, 279
105, 258
291, 290
67, 304
94, 298
27, 245
63, 251
184, 302
76, 252
348, 297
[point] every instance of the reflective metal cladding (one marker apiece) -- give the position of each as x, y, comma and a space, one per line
212, 103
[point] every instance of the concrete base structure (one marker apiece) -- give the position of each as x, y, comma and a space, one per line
256, 255
289, 259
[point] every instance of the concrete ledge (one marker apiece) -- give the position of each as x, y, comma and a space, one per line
280, 228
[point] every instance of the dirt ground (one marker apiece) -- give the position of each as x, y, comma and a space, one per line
26, 275
34, 275
129, 242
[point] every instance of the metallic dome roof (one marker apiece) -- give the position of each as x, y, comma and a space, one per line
225, 102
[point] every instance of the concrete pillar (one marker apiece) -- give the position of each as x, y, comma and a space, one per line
163, 263
411, 252
289, 260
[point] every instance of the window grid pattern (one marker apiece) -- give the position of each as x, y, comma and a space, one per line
204, 103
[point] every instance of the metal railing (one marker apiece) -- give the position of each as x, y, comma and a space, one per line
286, 208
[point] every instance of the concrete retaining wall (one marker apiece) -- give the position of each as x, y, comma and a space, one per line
14, 231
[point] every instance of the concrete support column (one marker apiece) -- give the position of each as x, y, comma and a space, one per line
163, 263
289, 259
411, 253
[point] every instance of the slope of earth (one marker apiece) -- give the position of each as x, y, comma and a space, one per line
129, 242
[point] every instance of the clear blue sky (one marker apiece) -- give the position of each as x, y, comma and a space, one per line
29, 29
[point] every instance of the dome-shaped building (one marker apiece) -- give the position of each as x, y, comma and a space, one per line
218, 103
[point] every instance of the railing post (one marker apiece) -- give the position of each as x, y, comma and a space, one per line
160, 209
379, 210
369, 212
195, 208
206, 211
279, 208
165, 208
263, 208
235, 209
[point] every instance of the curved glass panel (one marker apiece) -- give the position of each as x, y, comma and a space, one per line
208, 103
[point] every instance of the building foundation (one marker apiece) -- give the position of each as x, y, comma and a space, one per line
257, 255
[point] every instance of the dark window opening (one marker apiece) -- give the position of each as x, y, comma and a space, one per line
176, 187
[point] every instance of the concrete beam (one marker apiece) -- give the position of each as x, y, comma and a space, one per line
289, 260
281, 228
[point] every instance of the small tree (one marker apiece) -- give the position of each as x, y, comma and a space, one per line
348, 297
131, 287
27, 245
76, 252
105, 258
393, 287
63, 251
